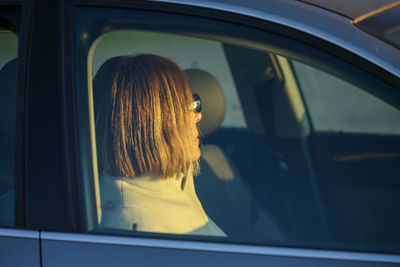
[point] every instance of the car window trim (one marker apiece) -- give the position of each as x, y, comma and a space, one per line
219, 247
4, 232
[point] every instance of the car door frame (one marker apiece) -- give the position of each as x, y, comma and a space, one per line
18, 239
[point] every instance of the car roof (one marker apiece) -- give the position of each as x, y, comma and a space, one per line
354, 9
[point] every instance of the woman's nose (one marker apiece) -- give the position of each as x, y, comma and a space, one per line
197, 117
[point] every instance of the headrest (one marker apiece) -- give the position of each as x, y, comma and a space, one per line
212, 97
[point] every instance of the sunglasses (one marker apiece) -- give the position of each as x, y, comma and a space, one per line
196, 104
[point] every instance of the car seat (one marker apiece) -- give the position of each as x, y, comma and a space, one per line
223, 192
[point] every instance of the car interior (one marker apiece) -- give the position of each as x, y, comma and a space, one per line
224, 194
274, 177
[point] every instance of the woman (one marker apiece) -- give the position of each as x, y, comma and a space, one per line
148, 147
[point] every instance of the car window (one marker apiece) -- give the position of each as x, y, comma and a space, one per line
198, 58
280, 163
385, 25
8, 79
336, 105
188, 52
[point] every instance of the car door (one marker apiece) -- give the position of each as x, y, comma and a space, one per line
18, 246
355, 148
262, 175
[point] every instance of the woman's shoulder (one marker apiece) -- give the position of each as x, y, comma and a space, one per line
128, 217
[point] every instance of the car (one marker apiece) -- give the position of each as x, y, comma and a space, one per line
300, 160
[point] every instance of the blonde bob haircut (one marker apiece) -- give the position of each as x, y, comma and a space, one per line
143, 120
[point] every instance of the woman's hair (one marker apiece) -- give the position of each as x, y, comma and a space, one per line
143, 121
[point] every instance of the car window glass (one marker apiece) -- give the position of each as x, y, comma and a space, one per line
385, 25
188, 52
197, 58
336, 105
279, 165
8, 79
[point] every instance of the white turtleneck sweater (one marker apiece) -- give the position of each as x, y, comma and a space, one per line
151, 204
